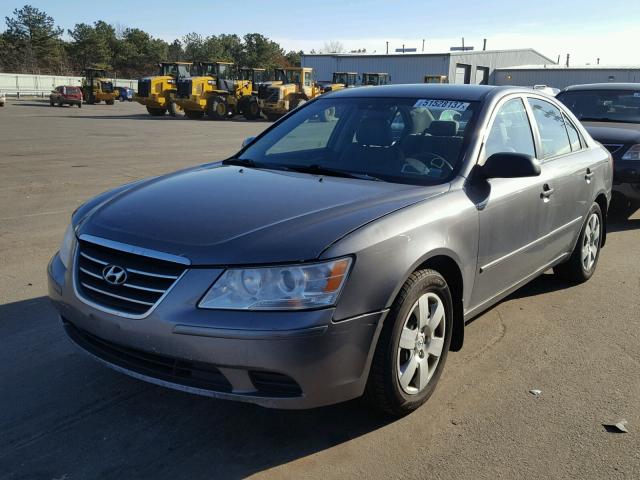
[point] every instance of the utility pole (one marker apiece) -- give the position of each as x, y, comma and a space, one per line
463, 44
403, 48
484, 44
423, 44
568, 60
558, 62
387, 48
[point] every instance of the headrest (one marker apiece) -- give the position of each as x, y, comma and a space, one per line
443, 128
374, 131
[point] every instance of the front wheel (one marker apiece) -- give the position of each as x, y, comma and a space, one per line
584, 258
193, 114
175, 110
413, 345
251, 110
217, 108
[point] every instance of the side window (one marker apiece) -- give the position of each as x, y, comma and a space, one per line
574, 136
510, 131
553, 134
307, 79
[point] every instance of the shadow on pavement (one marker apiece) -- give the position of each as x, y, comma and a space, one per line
61, 413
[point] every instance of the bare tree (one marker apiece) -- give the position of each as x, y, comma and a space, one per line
333, 46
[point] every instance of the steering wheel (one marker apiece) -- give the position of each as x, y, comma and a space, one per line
424, 162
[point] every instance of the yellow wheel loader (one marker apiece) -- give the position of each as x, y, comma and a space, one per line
341, 80
158, 93
376, 79
97, 87
215, 91
292, 87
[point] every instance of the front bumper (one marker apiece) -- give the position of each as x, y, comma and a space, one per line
274, 359
626, 179
153, 100
279, 107
193, 103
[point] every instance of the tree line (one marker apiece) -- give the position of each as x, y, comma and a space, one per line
32, 43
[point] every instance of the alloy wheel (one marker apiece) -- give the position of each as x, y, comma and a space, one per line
591, 242
421, 343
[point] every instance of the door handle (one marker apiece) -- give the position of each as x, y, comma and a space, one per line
547, 191
588, 175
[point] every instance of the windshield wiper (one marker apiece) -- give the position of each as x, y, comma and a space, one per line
242, 162
334, 172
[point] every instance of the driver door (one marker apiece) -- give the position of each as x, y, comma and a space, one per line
513, 215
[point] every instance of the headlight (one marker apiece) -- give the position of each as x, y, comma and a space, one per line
633, 153
67, 246
291, 287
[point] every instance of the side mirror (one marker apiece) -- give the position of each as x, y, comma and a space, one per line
510, 165
247, 141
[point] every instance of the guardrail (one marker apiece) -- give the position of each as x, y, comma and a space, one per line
20, 84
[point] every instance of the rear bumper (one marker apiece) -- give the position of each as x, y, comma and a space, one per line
274, 359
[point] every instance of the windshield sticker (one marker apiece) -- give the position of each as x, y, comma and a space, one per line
444, 104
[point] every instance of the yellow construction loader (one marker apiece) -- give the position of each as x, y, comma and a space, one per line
157, 93
341, 80
376, 79
216, 91
292, 87
97, 87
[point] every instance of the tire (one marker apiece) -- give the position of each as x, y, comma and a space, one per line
193, 114
175, 110
156, 112
251, 110
217, 108
80, 105
110, 102
388, 390
51, 104
584, 258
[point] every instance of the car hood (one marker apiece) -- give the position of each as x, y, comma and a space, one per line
613, 132
222, 215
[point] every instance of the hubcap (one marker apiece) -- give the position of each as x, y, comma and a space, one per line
591, 242
421, 343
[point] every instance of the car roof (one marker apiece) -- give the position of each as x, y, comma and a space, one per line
604, 86
421, 90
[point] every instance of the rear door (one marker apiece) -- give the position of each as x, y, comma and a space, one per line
569, 168
514, 218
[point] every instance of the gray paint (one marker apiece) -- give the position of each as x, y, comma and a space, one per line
412, 68
564, 77
499, 232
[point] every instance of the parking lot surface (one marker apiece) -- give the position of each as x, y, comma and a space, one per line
64, 416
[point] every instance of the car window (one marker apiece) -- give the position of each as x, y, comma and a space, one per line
603, 105
510, 130
553, 134
574, 136
312, 134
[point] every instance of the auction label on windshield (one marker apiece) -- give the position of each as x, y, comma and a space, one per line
445, 104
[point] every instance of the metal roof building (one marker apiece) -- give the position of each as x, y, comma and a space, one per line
476, 66
559, 76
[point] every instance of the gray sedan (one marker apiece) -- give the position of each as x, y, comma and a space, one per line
340, 253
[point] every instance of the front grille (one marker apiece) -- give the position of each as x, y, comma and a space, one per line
183, 372
184, 88
147, 279
144, 87
273, 95
613, 147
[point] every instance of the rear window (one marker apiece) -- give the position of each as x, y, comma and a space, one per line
71, 90
603, 105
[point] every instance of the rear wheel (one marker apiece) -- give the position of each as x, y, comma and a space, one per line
80, 105
217, 108
413, 345
110, 102
156, 112
51, 103
194, 114
584, 258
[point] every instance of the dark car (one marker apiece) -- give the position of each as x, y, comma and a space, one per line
611, 114
341, 252
66, 95
125, 94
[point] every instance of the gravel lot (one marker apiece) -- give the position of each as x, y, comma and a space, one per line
64, 416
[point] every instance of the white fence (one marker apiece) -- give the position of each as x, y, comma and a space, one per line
39, 85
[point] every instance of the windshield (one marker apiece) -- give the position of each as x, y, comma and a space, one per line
403, 140
288, 76
344, 78
603, 105
175, 70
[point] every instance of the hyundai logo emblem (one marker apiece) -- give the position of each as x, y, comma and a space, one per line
114, 274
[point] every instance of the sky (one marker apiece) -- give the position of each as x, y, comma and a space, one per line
585, 29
